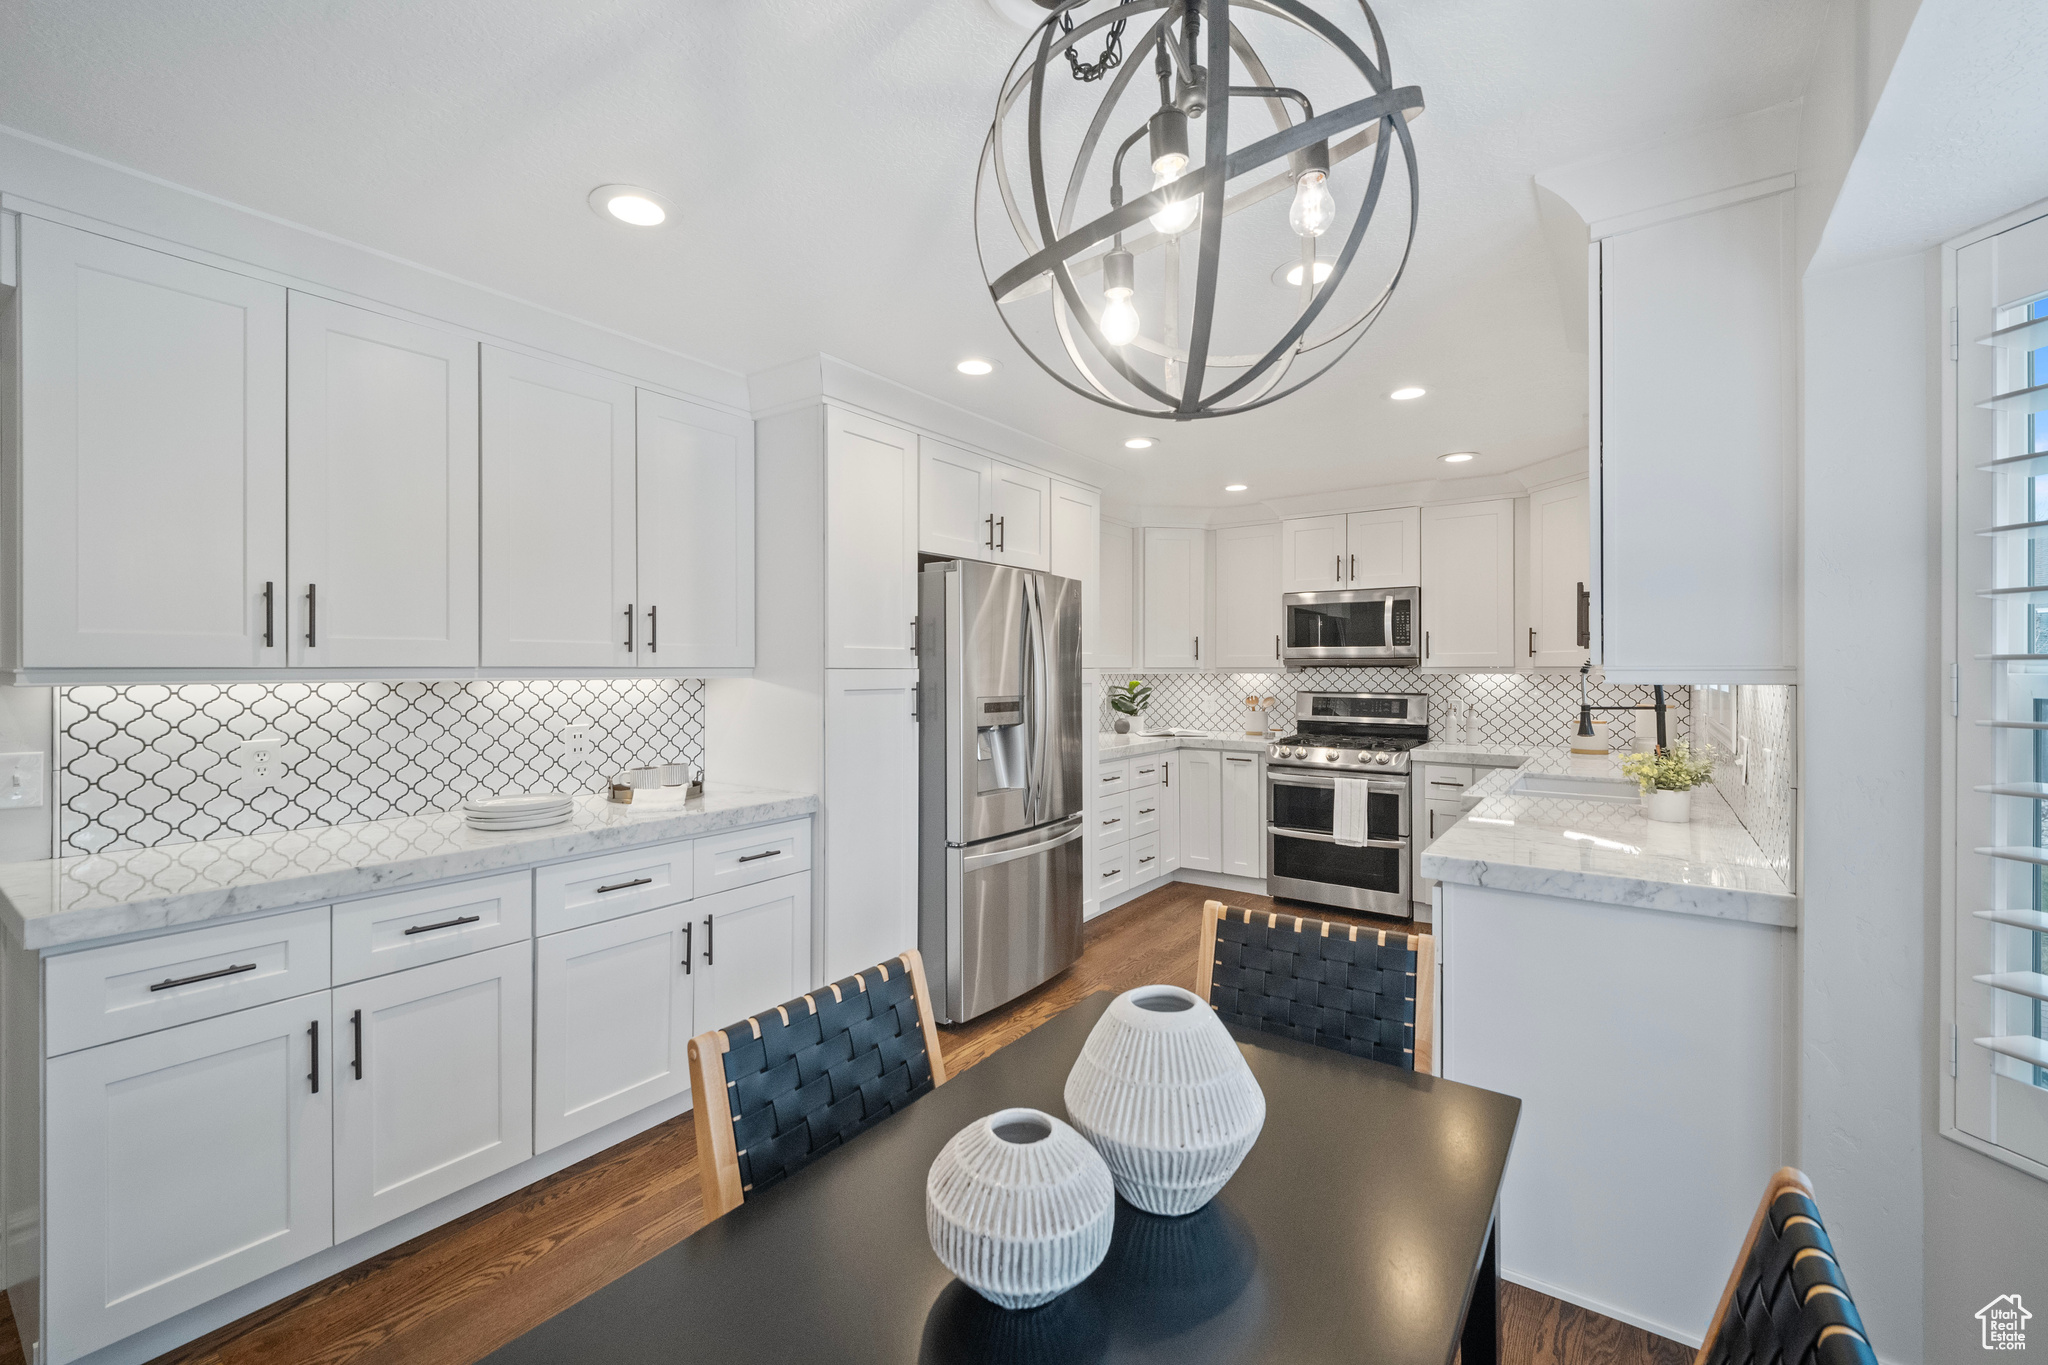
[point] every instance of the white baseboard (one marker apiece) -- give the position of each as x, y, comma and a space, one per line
1591, 1305
194, 1323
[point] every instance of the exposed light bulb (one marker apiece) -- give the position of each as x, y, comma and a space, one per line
1119, 321
1179, 215
1313, 210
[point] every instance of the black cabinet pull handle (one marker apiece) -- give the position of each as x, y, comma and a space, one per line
707, 938
1001, 539
1113, 820
991, 533
236, 970
1354, 568
312, 603
652, 631
1532, 642
689, 946
1111, 873
444, 924
313, 1032
757, 857
270, 615
1198, 646
621, 886
356, 1023
629, 627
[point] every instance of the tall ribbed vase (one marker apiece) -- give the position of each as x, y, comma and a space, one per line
1161, 1091
1019, 1207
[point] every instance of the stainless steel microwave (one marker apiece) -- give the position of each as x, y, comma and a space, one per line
1377, 627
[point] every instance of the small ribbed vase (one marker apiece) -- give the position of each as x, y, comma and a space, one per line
1162, 1092
1019, 1207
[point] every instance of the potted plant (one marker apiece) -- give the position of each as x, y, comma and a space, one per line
1667, 777
1131, 699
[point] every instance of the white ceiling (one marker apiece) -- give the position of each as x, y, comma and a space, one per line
821, 157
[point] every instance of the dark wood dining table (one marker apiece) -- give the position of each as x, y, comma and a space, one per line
1362, 1227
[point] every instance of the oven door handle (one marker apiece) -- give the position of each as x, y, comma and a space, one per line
1283, 833
1329, 780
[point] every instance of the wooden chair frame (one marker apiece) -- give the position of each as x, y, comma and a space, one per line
718, 1158
1423, 946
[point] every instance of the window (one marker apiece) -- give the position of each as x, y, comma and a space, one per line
1997, 923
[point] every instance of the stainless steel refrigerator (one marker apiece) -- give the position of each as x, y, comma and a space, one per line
999, 782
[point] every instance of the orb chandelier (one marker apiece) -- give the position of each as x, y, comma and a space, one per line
1091, 242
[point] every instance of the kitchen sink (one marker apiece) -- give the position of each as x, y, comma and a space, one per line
1616, 791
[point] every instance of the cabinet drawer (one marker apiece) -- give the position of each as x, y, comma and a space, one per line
1142, 859
1112, 777
592, 890
1144, 772
1144, 807
408, 928
1440, 779
747, 856
1112, 818
1112, 869
101, 994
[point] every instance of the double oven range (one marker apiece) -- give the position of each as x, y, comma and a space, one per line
1343, 736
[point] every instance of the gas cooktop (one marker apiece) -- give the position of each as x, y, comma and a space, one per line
1358, 732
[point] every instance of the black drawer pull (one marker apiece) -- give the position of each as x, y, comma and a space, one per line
356, 1023
707, 939
757, 857
1113, 820
621, 886
1111, 873
313, 1032
444, 924
204, 976
1145, 860
1148, 810
689, 946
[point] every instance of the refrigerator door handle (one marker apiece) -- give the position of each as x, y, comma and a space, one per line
974, 862
1036, 680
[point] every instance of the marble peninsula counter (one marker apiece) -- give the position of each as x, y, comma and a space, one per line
67, 901
1113, 746
1609, 853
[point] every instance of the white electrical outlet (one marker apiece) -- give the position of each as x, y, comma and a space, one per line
261, 761
577, 744
21, 780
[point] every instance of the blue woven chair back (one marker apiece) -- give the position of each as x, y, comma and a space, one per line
1335, 985
1789, 1302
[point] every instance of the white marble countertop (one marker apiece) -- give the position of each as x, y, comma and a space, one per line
68, 901
1112, 746
1480, 755
1615, 854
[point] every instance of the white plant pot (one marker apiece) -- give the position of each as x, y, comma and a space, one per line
1019, 1207
1163, 1093
1674, 807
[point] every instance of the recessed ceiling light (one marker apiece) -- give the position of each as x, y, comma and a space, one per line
1403, 395
1289, 276
976, 366
1233, 488
1139, 443
629, 204
1458, 457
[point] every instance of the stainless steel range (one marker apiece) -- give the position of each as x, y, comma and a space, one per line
1344, 737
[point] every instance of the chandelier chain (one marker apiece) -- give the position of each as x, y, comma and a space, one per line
1112, 50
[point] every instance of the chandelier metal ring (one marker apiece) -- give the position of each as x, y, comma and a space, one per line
1194, 71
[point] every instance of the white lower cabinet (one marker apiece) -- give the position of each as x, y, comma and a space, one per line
434, 1084
613, 1009
183, 1164
1112, 869
1243, 833
753, 949
1201, 809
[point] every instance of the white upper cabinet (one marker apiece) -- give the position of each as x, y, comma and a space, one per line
1559, 578
1468, 585
1176, 597
1075, 551
383, 460
1383, 549
558, 516
1247, 597
152, 453
1118, 562
1022, 503
1696, 426
954, 518
695, 535
1312, 554
871, 501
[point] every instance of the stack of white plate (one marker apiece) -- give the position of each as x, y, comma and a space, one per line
529, 810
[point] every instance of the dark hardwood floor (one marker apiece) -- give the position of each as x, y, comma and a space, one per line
453, 1295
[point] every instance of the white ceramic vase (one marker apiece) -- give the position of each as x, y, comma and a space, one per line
1019, 1207
1163, 1093
1674, 807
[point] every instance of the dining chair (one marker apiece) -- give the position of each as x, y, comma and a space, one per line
1364, 991
778, 1090
1786, 1299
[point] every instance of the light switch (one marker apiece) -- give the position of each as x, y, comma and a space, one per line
21, 780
